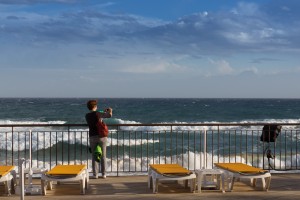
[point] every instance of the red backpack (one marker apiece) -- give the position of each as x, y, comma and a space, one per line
103, 129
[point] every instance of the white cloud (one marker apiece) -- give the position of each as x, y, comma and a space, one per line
92, 44
210, 33
152, 67
222, 67
146, 69
242, 37
243, 8
285, 8
249, 71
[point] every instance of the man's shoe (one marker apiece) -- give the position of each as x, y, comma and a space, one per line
94, 177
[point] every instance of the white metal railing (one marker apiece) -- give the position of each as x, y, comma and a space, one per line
132, 147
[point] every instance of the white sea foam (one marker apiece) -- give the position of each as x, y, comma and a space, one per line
50, 135
132, 142
12, 122
182, 127
41, 140
121, 121
164, 127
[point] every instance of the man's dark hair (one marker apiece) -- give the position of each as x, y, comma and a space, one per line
91, 104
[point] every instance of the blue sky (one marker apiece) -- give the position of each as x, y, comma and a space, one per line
150, 48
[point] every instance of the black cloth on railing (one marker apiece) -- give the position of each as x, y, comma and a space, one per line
270, 133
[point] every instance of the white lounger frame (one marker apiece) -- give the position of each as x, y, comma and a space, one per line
82, 178
154, 178
265, 178
9, 181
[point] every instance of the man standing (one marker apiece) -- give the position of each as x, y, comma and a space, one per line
98, 133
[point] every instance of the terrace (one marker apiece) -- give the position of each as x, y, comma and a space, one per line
283, 186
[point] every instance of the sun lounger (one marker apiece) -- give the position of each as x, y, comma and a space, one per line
169, 172
8, 177
66, 173
242, 171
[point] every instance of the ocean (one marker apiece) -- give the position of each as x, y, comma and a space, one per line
73, 110
158, 111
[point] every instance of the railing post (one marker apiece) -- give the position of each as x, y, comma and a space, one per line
204, 149
118, 128
21, 178
68, 145
12, 145
30, 161
171, 143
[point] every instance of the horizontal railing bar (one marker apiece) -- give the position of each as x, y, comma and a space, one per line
154, 124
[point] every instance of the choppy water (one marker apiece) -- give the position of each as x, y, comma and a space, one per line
136, 111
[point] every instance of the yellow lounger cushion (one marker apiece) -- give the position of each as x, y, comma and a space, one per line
5, 170
169, 169
66, 170
240, 168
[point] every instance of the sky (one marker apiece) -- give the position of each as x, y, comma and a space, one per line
150, 48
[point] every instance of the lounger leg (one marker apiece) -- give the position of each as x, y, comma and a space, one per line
263, 183
82, 186
193, 184
49, 185
223, 183
12, 186
199, 184
149, 178
268, 182
7, 187
218, 181
86, 183
155, 185
186, 184
253, 182
86, 179
13, 181
231, 183
150, 182
43, 187
228, 178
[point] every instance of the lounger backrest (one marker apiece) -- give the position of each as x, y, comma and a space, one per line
169, 169
66, 170
5, 170
240, 168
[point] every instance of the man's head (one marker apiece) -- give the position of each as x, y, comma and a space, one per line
91, 104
